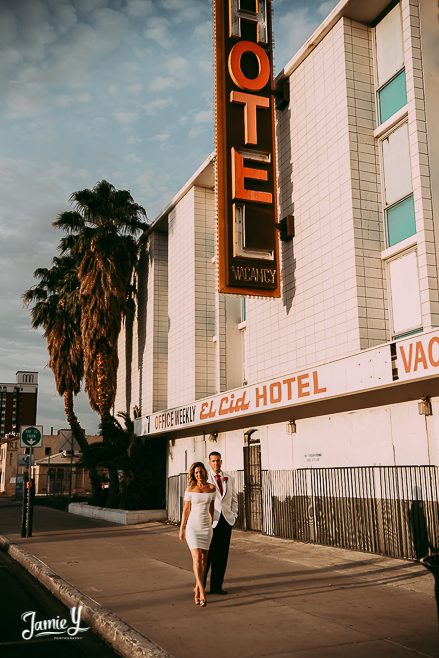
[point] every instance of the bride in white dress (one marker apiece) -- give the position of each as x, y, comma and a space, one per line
196, 524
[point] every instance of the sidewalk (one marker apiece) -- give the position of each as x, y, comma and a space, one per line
286, 599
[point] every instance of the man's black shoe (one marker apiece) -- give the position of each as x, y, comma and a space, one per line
218, 591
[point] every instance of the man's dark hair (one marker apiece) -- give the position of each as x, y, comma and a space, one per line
217, 454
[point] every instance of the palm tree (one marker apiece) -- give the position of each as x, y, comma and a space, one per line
102, 231
56, 309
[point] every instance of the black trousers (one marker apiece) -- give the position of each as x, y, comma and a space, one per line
218, 554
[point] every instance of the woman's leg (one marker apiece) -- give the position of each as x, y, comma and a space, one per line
204, 563
198, 566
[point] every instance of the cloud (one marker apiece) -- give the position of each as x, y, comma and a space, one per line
204, 116
177, 65
187, 11
161, 137
139, 8
294, 29
72, 99
295, 21
135, 88
325, 8
162, 83
157, 30
125, 118
196, 131
156, 105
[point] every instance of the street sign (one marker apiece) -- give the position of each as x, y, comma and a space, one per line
24, 460
66, 441
31, 436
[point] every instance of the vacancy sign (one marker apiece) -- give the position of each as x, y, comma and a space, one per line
248, 255
418, 357
31, 436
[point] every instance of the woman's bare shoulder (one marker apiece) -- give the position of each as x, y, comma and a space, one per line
212, 488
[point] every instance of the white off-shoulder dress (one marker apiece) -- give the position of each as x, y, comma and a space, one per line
199, 525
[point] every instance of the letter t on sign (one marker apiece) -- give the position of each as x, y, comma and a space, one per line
251, 103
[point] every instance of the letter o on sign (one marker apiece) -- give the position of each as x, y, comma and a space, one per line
238, 77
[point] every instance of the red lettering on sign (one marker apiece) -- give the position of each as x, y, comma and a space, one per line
434, 341
406, 361
303, 386
315, 380
419, 356
236, 73
251, 104
261, 394
240, 172
275, 392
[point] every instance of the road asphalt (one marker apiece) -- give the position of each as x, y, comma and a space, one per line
286, 599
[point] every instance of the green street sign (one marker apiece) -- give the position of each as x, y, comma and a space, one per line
31, 436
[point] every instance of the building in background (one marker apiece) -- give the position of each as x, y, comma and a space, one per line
18, 402
324, 401
55, 465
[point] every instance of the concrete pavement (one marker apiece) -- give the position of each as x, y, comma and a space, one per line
286, 599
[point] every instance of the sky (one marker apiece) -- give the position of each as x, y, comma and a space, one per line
120, 90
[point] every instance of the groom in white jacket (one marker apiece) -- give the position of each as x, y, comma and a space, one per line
225, 513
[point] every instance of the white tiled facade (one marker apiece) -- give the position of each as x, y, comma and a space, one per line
190, 342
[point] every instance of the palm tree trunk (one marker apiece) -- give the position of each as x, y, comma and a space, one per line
79, 435
113, 497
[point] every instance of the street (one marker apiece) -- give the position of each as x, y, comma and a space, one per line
21, 594
285, 598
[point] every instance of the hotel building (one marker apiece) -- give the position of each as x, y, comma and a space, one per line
324, 402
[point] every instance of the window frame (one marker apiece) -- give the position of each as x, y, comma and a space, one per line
386, 84
393, 128
411, 330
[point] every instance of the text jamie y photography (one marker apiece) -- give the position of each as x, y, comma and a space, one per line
58, 627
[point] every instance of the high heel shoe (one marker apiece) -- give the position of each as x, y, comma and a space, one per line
203, 603
196, 597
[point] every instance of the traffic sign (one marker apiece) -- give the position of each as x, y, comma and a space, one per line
25, 460
31, 436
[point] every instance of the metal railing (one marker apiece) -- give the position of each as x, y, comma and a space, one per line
63, 481
388, 510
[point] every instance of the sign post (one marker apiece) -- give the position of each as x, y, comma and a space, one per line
31, 436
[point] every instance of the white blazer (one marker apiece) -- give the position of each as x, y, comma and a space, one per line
227, 503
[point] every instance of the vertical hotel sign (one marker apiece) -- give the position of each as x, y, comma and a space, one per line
245, 144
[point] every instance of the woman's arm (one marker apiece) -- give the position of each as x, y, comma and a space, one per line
211, 510
184, 518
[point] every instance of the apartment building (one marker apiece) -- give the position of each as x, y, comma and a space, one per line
18, 402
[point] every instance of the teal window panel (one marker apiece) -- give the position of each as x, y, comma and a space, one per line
392, 96
401, 222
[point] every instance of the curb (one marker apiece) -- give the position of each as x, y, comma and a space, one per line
119, 635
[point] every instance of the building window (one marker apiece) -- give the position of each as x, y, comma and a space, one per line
400, 220
392, 97
391, 83
404, 294
398, 198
